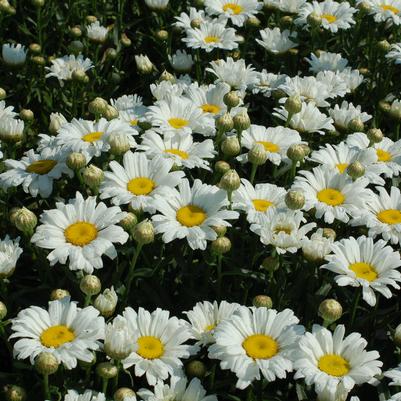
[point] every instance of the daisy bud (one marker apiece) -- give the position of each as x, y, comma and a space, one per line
270, 263
296, 152
90, 19
92, 176
115, 78
162, 35
110, 113
293, 52
221, 245
144, 232
220, 230
38, 60
75, 161
330, 310
110, 54
314, 20
4, 5
306, 149
196, 23
262, 301
35, 48
253, 22
199, 3
221, 167
364, 6
3, 310
230, 181
46, 363
241, 121
364, 71
196, 369
329, 233
125, 40
397, 336
129, 222
143, 64
356, 125
106, 370
225, 123
295, 200
118, 339
293, 105
257, 155
106, 302
375, 135
384, 106
85, 364
76, 47
38, 3
76, 32
97, 106
166, 76
278, 94
26, 115
231, 99
286, 21
59, 293
231, 146
25, 220
90, 285
235, 54
123, 393
3, 94
356, 170
15, 393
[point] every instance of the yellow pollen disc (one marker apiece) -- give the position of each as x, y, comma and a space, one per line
212, 39
178, 123
260, 346
330, 18
383, 156
57, 335
364, 270
330, 196
341, 167
333, 365
261, 205
150, 347
80, 233
41, 167
178, 152
269, 146
134, 122
282, 229
387, 7
141, 186
92, 136
210, 327
390, 216
191, 215
234, 8
210, 108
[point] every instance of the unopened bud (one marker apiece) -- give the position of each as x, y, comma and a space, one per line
375, 135
59, 293
166, 76
162, 35
129, 222
76, 47
15, 393
296, 152
196, 369
26, 115
356, 125
253, 22
90, 285
329, 233
221, 167
384, 106
314, 20
90, 19
356, 170
397, 336
123, 394
383, 46
262, 301
38, 60
241, 121
196, 23
75, 161
76, 32
110, 113
125, 40
35, 48
92, 176
330, 310
257, 155
144, 232
221, 245
97, 106
231, 146
293, 105
3, 94
295, 200
270, 263
3, 310
286, 21
38, 3
46, 363
106, 302
225, 123
231, 99
230, 181
106, 370
25, 220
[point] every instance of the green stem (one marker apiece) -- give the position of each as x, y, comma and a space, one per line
253, 172
355, 307
130, 276
46, 390
219, 276
87, 300
104, 385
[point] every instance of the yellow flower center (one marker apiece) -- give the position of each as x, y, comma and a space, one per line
178, 123
282, 229
387, 7
261, 205
210, 108
80, 233
191, 215
141, 186
330, 18
269, 146
57, 335
330, 196
234, 8
41, 167
212, 39
178, 152
210, 327
341, 167
390, 216
260, 346
92, 136
334, 365
363, 270
134, 122
150, 347
383, 155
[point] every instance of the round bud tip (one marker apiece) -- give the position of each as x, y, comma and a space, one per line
221, 167
90, 285
3, 310
257, 155
329, 233
270, 263
225, 123
122, 393
231, 99
293, 105
98, 106
219, 230
221, 245
79, 76
356, 125
110, 113
397, 336
162, 35
129, 221
25, 220
356, 170
231, 146
330, 310
46, 363
59, 293
76, 161
230, 181
196, 369
375, 135
296, 152
3, 94
92, 176
144, 232
383, 46
106, 370
26, 115
167, 76
125, 40
15, 393
262, 301
295, 200
241, 121
314, 19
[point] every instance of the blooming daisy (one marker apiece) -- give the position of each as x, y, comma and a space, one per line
336, 86
130, 108
342, 115
277, 42
88, 395
68, 332
257, 342
14, 55
157, 5
395, 53
351, 78
184, 20
11, 129
388, 11
181, 61
6, 111
287, 6
96, 32
335, 364
159, 344
10, 251
118, 342
138, 180
317, 246
191, 212
267, 82
326, 61
81, 231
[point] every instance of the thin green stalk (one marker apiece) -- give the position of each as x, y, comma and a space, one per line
131, 272
219, 275
355, 307
46, 390
104, 385
253, 172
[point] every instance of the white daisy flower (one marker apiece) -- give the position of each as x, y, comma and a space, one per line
267, 82
181, 61
275, 140
282, 229
6, 111
11, 129
336, 86
68, 332
206, 316
157, 5
106, 302
388, 11
276, 41
10, 251
332, 195
287, 6
14, 55
131, 103
35, 172
191, 212
394, 375
256, 343
138, 181
181, 149
96, 32
118, 336
88, 395
395, 53
160, 344
165, 90
335, 364
351, 78
326, 61
342, 115
81, 231
317, 246
184, 20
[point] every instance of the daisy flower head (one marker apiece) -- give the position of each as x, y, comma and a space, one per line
118, 339
276, 41
332, 195
6, 111
267, 82
184, 20
335, 364
138, 180
394, 375
87, 395
68, 332
351, 78
130, 103
256, 343
159, 344
10, 251
282, 229
13, 55
11, 130
363, 263
181, 61
388, 11
326, 61
286, 6
256, 200
181, 149
237, 11
97, 33
190, 212
336, 86
36, 172
317, 246
206, 316
395, 53
81, 231
342, 115
275, 140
